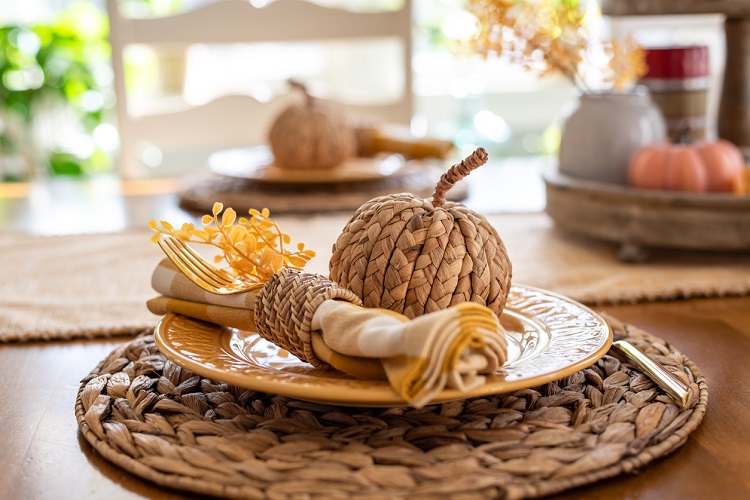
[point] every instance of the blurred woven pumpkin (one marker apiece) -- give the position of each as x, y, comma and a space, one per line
415, 256
311, 135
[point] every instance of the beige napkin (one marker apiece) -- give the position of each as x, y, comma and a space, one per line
453, 348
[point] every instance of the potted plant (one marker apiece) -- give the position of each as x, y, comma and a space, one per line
53, 95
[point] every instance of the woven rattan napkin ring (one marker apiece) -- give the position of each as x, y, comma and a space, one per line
285, 307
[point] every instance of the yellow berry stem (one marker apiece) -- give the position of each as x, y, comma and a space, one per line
258, 268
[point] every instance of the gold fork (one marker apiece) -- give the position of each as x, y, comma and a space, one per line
202, 272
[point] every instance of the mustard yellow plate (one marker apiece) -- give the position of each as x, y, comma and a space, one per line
257, 164
549, 337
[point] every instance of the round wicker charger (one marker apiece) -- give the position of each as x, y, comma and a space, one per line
167, 425
200, 191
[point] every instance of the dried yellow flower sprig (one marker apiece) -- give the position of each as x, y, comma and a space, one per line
627, 62
253, 248
540, 35
549, 36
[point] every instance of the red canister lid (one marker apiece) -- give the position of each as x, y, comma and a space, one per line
677, 62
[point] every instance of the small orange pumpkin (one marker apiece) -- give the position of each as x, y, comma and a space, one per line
700, 167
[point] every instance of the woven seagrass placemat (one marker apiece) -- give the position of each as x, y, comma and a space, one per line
200, 191
169, 426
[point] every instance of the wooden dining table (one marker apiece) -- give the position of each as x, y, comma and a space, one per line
43, 455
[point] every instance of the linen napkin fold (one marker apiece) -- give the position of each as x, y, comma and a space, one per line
453, 348
182, 296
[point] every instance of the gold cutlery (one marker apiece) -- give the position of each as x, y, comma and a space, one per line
202, 272
674, 387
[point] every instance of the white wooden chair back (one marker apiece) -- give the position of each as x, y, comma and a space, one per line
240, 120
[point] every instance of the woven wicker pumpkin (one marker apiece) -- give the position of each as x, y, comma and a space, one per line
414, 256
311, 135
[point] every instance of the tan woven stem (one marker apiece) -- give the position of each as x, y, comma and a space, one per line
285, 306
456, 173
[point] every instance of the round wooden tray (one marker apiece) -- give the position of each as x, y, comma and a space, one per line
644, 218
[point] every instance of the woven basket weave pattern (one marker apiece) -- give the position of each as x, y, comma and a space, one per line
402, 253
165, 424
285, 307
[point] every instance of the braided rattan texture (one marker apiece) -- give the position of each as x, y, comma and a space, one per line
285, 307
169, 426
402, 253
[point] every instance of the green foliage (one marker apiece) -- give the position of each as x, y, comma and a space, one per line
56, 65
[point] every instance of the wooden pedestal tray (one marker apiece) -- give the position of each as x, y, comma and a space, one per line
734, 106
169, 426
638, 218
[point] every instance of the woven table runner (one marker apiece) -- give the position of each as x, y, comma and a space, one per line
176, 429
75, 286
590, 271
96, 285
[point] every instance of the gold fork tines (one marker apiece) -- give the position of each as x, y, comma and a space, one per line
202, 272
201, 266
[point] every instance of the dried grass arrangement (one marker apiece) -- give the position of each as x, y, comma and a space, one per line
551, 36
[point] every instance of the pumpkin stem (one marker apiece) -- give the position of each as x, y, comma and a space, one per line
297, 85
456, 173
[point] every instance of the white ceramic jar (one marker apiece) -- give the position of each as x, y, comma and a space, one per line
604, 130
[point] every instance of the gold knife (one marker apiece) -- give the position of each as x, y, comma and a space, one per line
674, 387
